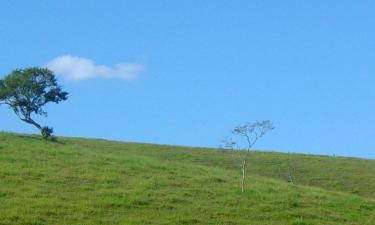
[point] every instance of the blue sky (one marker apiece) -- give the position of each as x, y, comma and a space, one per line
186, 72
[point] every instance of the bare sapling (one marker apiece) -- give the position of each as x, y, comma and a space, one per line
247, 135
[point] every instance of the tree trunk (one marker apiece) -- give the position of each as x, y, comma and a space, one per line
243, 176
290, 174
32, 122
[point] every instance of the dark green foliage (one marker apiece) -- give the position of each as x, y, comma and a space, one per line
47, 132
27, 91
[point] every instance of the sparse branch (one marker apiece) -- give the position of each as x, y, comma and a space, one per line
251, 132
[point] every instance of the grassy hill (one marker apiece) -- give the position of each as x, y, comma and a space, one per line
82, 181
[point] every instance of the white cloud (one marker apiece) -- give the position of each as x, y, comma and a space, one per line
78, 68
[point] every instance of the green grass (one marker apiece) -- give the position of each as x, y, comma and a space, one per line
82, 181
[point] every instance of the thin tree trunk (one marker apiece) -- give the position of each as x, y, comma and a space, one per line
243, 176
291, 178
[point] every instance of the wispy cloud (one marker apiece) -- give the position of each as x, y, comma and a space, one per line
78, 68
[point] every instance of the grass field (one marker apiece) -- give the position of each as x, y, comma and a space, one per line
83, 181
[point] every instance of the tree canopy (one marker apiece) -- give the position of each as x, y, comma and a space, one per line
27, 91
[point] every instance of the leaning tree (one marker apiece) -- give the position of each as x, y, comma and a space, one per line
27, 91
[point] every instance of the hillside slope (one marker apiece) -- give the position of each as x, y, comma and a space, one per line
82, 181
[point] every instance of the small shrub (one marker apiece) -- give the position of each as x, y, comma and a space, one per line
47, 132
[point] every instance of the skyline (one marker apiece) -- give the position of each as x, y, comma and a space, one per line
186, 73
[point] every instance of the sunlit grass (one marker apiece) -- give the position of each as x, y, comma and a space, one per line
81, 181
